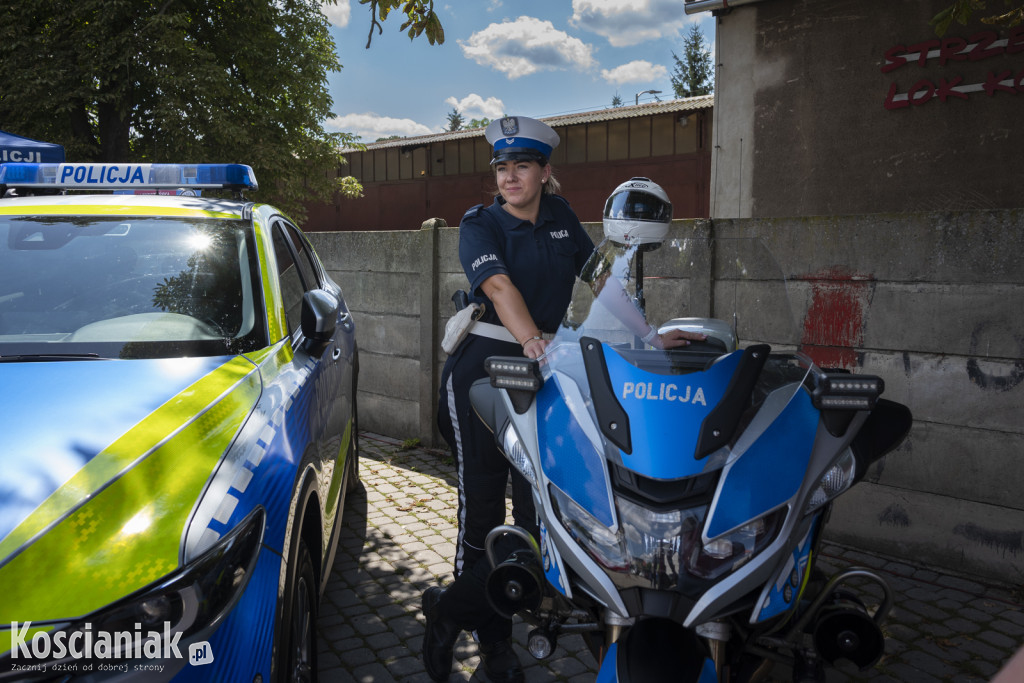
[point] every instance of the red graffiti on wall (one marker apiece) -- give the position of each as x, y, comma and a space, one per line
834, 323
949, 50
926, 90
981, 45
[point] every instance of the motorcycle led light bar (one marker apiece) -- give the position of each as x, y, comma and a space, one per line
517, 374
837, 391
867, 385
128, 176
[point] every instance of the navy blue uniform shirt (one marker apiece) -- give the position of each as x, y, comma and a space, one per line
542, 260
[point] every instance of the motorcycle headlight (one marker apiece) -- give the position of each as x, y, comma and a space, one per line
517, 455
657, 540
653, 547
838, 479
598, 540
731, 551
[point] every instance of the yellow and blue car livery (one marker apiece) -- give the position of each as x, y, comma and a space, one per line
177, 409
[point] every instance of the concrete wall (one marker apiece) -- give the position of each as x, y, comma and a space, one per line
931, 302
826, 107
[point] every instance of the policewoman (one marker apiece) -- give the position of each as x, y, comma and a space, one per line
521, 256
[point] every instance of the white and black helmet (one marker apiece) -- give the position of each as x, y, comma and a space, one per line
637, 212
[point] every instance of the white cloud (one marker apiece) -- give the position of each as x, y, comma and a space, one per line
371, 126
338, 14
473, 106
628, 22
525, 46
637, 71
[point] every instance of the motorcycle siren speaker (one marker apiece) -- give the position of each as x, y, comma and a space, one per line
843, 629
516, 584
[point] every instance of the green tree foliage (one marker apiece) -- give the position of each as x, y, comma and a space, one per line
455, 120
420, 18
179, 81
478, 123
616, 101
693, 75
962, 10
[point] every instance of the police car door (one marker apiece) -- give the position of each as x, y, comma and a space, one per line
325, 404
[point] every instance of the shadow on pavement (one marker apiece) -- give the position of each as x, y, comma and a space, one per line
398, 538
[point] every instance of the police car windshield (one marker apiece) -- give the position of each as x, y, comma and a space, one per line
127, 287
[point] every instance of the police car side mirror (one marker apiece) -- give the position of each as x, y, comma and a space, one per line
319, 316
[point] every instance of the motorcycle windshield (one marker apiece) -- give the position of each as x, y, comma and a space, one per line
655, 411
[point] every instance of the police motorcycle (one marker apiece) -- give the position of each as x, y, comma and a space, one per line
682, 493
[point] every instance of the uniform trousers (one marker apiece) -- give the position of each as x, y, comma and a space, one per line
483, 474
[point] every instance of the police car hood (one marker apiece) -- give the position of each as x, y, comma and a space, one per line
58, 417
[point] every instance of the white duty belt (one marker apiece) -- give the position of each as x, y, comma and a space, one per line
498, 332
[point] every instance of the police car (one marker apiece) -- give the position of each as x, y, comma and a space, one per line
177, 427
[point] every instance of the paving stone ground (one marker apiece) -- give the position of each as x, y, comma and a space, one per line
398, 539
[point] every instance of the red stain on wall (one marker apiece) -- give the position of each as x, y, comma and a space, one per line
834, 323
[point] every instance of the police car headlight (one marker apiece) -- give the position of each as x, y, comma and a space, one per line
189, 600
517, 455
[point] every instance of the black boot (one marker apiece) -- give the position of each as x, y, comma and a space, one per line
501, 663
442, 632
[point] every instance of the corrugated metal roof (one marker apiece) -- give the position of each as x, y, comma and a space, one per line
610, 114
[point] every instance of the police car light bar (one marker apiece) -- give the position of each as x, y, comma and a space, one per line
128, 176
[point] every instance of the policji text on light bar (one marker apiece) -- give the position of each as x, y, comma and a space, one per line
128, 176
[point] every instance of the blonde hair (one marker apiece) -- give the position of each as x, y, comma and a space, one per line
552, 186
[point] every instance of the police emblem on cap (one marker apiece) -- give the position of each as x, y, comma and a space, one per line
509, 126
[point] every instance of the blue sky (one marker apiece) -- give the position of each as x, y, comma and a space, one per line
524, 57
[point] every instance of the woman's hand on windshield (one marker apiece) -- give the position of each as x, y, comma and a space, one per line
535, 348
676, 338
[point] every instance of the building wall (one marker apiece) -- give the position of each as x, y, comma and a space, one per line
928, 301
826, 107
445, 178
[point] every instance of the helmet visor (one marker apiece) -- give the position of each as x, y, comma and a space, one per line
639, 206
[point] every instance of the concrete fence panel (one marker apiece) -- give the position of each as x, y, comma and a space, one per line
931, 302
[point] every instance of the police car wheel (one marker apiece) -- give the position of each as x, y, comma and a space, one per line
300, 663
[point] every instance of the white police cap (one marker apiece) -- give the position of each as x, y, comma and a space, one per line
516, 138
